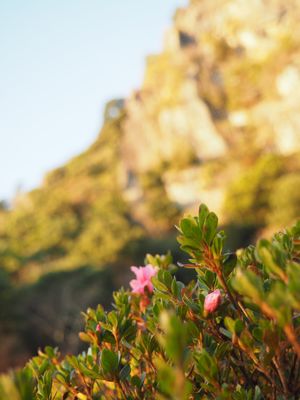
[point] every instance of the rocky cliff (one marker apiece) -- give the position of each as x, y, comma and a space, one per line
224, 90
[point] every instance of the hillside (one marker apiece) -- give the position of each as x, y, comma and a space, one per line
215, 120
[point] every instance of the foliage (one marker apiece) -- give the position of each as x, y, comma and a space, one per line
168, 344
47, 312
160, 209
267, 194
18, 385
74, 233
52, 306
80, 215
285, 200
102, 209
62, 224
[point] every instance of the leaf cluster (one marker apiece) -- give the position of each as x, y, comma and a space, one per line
166, 345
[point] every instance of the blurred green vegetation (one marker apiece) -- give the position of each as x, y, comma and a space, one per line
67, 245
162, 212
62, 223
17, 385
285, 200
48, 310
266, 193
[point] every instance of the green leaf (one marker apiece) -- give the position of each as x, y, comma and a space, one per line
125, 372
278, 299
267, 254
258, 334
175, 288
229, 262
238, 326
88, 372
166, 278
203, 213
175, 338
168, 382
129, 333
248, 284
218, 243
293, 271
190, 228
81, 396
85, 337
50, 351
136, 381
191, 243
226, 333
159, 285
113, 319
192, 305
222, 349
206, 365
229, 323
109, 361
192, 330
210, 227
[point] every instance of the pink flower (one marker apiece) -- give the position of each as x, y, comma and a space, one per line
98, 328
212, 301
143, 279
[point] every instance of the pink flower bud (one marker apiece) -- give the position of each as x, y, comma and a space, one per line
212, 301
98, 328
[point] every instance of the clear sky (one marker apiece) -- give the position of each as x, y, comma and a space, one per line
61, 60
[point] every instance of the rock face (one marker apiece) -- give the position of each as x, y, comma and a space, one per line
226, 85
155, 133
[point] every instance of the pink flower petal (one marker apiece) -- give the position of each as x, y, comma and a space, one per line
137, 271
143, 278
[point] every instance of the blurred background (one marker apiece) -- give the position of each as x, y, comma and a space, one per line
200, 103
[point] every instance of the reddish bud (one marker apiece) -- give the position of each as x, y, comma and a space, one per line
212, 301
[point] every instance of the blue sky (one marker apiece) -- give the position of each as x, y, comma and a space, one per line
61, 60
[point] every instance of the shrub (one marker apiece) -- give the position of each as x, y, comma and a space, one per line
285, 200
248, 196
233, 333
